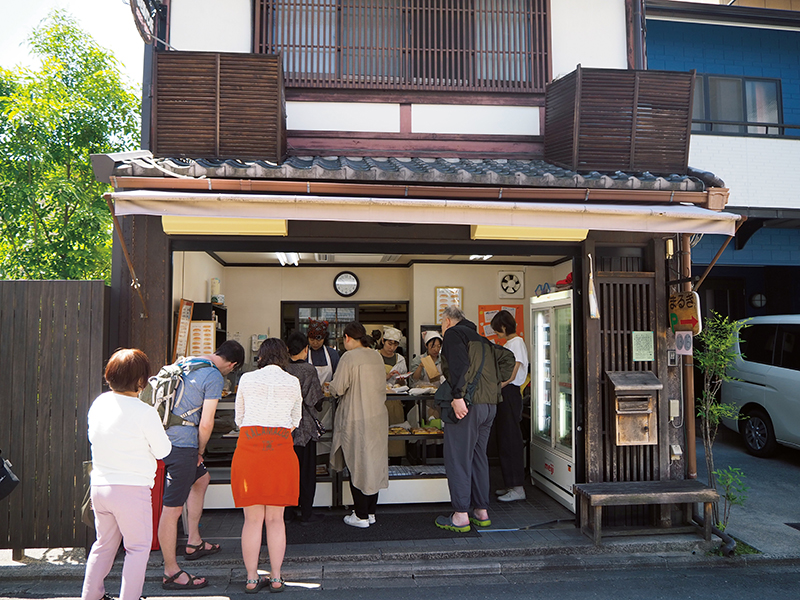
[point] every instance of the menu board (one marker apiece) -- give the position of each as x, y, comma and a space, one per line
202, 335
182, 329
448, 296
486, 313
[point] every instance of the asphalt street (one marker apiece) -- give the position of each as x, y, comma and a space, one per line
721, 583
773, 499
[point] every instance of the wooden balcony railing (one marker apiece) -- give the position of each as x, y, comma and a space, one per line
443, 45
213, 105
609, 120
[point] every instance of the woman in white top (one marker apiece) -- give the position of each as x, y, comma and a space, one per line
127, 438
509, 411
265, 474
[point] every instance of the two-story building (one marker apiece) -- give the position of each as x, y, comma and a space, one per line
746, 130
374, 160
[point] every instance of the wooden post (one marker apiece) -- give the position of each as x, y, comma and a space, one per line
688, 370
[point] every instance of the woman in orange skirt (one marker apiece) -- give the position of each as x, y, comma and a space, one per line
265, 475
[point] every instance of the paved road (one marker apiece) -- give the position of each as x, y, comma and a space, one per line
773, 498
722, 583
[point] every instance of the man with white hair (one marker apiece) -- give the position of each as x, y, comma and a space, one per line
470, 370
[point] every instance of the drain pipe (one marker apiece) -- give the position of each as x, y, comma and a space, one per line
730, 544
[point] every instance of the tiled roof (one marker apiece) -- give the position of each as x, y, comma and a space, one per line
449, 171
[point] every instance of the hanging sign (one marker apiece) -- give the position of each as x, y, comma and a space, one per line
684, 312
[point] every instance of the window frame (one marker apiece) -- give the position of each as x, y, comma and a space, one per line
706, 124
521, 66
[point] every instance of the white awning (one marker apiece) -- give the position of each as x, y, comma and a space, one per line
589, 216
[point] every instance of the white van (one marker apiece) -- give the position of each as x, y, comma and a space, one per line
767, 392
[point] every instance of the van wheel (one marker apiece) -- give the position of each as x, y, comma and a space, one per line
758, 433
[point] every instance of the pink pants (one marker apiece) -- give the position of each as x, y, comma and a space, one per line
121, 513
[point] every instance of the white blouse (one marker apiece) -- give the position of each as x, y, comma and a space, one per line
269, 397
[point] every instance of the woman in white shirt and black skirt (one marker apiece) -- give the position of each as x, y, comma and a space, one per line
509, 411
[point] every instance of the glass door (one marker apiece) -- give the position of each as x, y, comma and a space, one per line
552, 423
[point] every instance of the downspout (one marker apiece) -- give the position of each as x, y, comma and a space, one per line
637, 51
688, 368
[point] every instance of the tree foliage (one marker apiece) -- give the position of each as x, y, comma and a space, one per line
54, 222
713, 355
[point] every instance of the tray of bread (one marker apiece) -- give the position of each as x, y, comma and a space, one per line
396, 430
425, 431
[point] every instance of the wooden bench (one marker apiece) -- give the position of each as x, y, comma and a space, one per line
629, 493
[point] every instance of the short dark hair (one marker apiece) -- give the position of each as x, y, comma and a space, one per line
356, 331
232, 351
503, 321
273, 351
127, 370
296, 342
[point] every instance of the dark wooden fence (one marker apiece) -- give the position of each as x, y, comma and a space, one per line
52, 340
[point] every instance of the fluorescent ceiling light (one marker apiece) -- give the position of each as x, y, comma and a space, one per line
288, 258
480, 256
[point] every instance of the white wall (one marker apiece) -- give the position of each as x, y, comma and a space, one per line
343, 116
211, 25
591, 33
479, 120
191, 276
758, 171
253, 295
425, 118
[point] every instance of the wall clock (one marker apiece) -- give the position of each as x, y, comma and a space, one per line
510, 284
346, 283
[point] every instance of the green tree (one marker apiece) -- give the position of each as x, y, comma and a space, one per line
713, 356
54, 222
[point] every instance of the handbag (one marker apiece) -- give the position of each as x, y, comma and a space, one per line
8, 481
444, 395
87, 511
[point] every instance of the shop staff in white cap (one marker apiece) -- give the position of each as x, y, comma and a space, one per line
395, 364
428, 367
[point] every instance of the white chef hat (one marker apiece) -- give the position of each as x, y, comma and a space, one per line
431, 335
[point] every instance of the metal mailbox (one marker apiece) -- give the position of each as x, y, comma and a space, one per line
634, 397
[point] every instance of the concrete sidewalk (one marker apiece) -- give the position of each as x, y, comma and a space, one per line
536, 534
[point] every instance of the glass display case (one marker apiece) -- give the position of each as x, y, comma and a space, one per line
552, 423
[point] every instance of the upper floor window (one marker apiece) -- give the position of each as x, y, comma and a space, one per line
458, 45
729, 104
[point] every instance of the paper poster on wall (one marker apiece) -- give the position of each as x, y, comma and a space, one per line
448, 296
202, 337
643, 346
486, 313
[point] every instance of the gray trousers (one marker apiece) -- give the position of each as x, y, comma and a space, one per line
465, 459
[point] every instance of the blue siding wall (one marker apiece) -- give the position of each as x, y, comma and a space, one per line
766, 247
730, 51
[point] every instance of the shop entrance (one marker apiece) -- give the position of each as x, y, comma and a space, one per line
402, 281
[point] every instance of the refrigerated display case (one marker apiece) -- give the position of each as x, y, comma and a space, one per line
552, 463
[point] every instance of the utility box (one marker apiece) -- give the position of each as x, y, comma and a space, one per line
634, 398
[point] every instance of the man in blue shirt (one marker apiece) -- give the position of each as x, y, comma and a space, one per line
187, 477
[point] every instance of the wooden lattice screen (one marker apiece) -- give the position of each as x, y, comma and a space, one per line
52, 340
612, 120
456, 45
626, 305
212, 105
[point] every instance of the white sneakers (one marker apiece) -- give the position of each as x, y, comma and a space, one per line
515, 493
354, 521
372, 519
